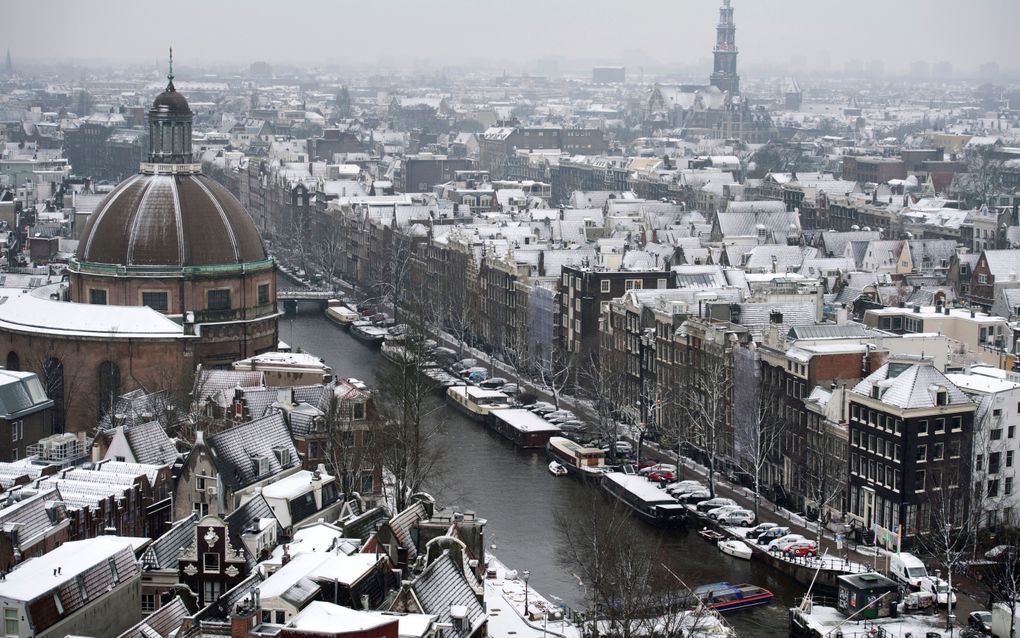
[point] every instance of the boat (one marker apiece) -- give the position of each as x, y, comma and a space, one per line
556, 469
727, 597
342, 315
476, 402
735, 548
646, 499
523, 428
711, 535
587, 462
368, 332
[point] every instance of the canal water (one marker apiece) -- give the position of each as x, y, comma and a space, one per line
514, 491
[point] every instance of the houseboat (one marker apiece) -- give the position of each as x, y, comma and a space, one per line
476, 402
525, 429
368, 332
587, 462
342, 315
726, 597
648, 501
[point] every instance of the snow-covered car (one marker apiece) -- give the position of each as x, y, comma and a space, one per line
783, 542
713, 503
541, 407
694, 497
717, 512
493, 383
684, 486
758, 530
658, 467
938, 588
624, 447
739, 517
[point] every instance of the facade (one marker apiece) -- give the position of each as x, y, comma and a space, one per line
911, 430
25, 413
211, 565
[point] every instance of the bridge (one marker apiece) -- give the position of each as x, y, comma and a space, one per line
291, 298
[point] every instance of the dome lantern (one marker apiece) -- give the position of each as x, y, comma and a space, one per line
170, 131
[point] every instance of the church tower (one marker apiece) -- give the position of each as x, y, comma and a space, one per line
724, 75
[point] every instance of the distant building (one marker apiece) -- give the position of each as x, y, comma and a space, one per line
609, 75
26, 413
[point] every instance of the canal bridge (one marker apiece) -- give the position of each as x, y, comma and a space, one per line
291, 298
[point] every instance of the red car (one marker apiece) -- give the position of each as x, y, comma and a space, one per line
801, 549
662, 475
647, 463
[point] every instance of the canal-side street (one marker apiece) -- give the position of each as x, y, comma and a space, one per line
515, 492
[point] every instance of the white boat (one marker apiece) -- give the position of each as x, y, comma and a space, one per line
735, 548
476, 402
556, 469
342, 315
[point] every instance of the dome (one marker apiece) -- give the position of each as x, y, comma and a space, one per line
170, 220
172, 99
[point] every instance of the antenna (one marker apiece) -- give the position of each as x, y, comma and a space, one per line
170, 75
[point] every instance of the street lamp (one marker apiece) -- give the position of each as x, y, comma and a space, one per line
526, 575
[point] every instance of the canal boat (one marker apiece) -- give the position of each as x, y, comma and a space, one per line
524, 429
727, 597
711, 535
342, 315
476, 402
368, 332
556, 469
577, 459
737, 549
650, 503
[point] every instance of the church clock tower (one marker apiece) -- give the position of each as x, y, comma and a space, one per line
724, 75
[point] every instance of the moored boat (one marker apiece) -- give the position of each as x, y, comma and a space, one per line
711, 535
476, 402
587, 462
368, 332
556, 469
735, 548
342, 315
652, 504
726, 597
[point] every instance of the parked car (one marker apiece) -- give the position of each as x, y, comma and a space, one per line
713, 503
695, 497
739, 518
541, 407
772, 534
681, 487
510, 388
478, 376
575, 427
464, 364
801, 549
980, 620
624, 448
467, 372
565, 415
659, 476
938, 588
758, 530
493, 383
654, 467
717, 512
781, 543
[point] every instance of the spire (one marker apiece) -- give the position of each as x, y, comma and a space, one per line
170, 75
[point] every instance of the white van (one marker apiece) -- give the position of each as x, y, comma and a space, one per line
907, 569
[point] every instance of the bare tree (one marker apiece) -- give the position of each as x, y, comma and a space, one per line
823, 475
760, 428
1000, 577
705, 402
600, 384
327, 248
405, 440
347, 422
553, 373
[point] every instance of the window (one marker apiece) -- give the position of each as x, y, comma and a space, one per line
922, 426
604, 286
632, 284
1008, 487
940, 426
661, 283
211, 590
202, 509
97, 297
922, 453
993, 462
367, 483
211, 562
11, 621
218, 299
993, 488
1009, 458
148, 602
996, 434
982, 279
359, 411
919, 481
155, 300
1011, 432
280, 617
200, 483
938, 452
979, 462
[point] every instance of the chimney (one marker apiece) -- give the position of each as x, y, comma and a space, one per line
245, 616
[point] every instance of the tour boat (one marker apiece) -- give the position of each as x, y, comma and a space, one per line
556, 469
342, 315
587, 462
645, 498
726, 597
476, 402
368, 332
735, 548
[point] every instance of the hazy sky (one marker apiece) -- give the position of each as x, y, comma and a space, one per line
415, 32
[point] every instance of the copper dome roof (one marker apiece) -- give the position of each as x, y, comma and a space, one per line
172, 99
170, 220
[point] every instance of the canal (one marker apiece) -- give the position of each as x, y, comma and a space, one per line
513, 490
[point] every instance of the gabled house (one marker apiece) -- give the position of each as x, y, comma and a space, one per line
210, 564
443, 590
236, 463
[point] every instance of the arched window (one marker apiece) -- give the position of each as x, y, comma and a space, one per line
108, 384
13, 362
53, 381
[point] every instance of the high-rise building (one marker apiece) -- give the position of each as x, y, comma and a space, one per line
724, 74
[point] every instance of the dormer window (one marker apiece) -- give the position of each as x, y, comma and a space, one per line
941, 397
283, 455
261, 463
876, 392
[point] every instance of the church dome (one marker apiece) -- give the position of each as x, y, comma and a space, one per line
172, 100
170, 220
